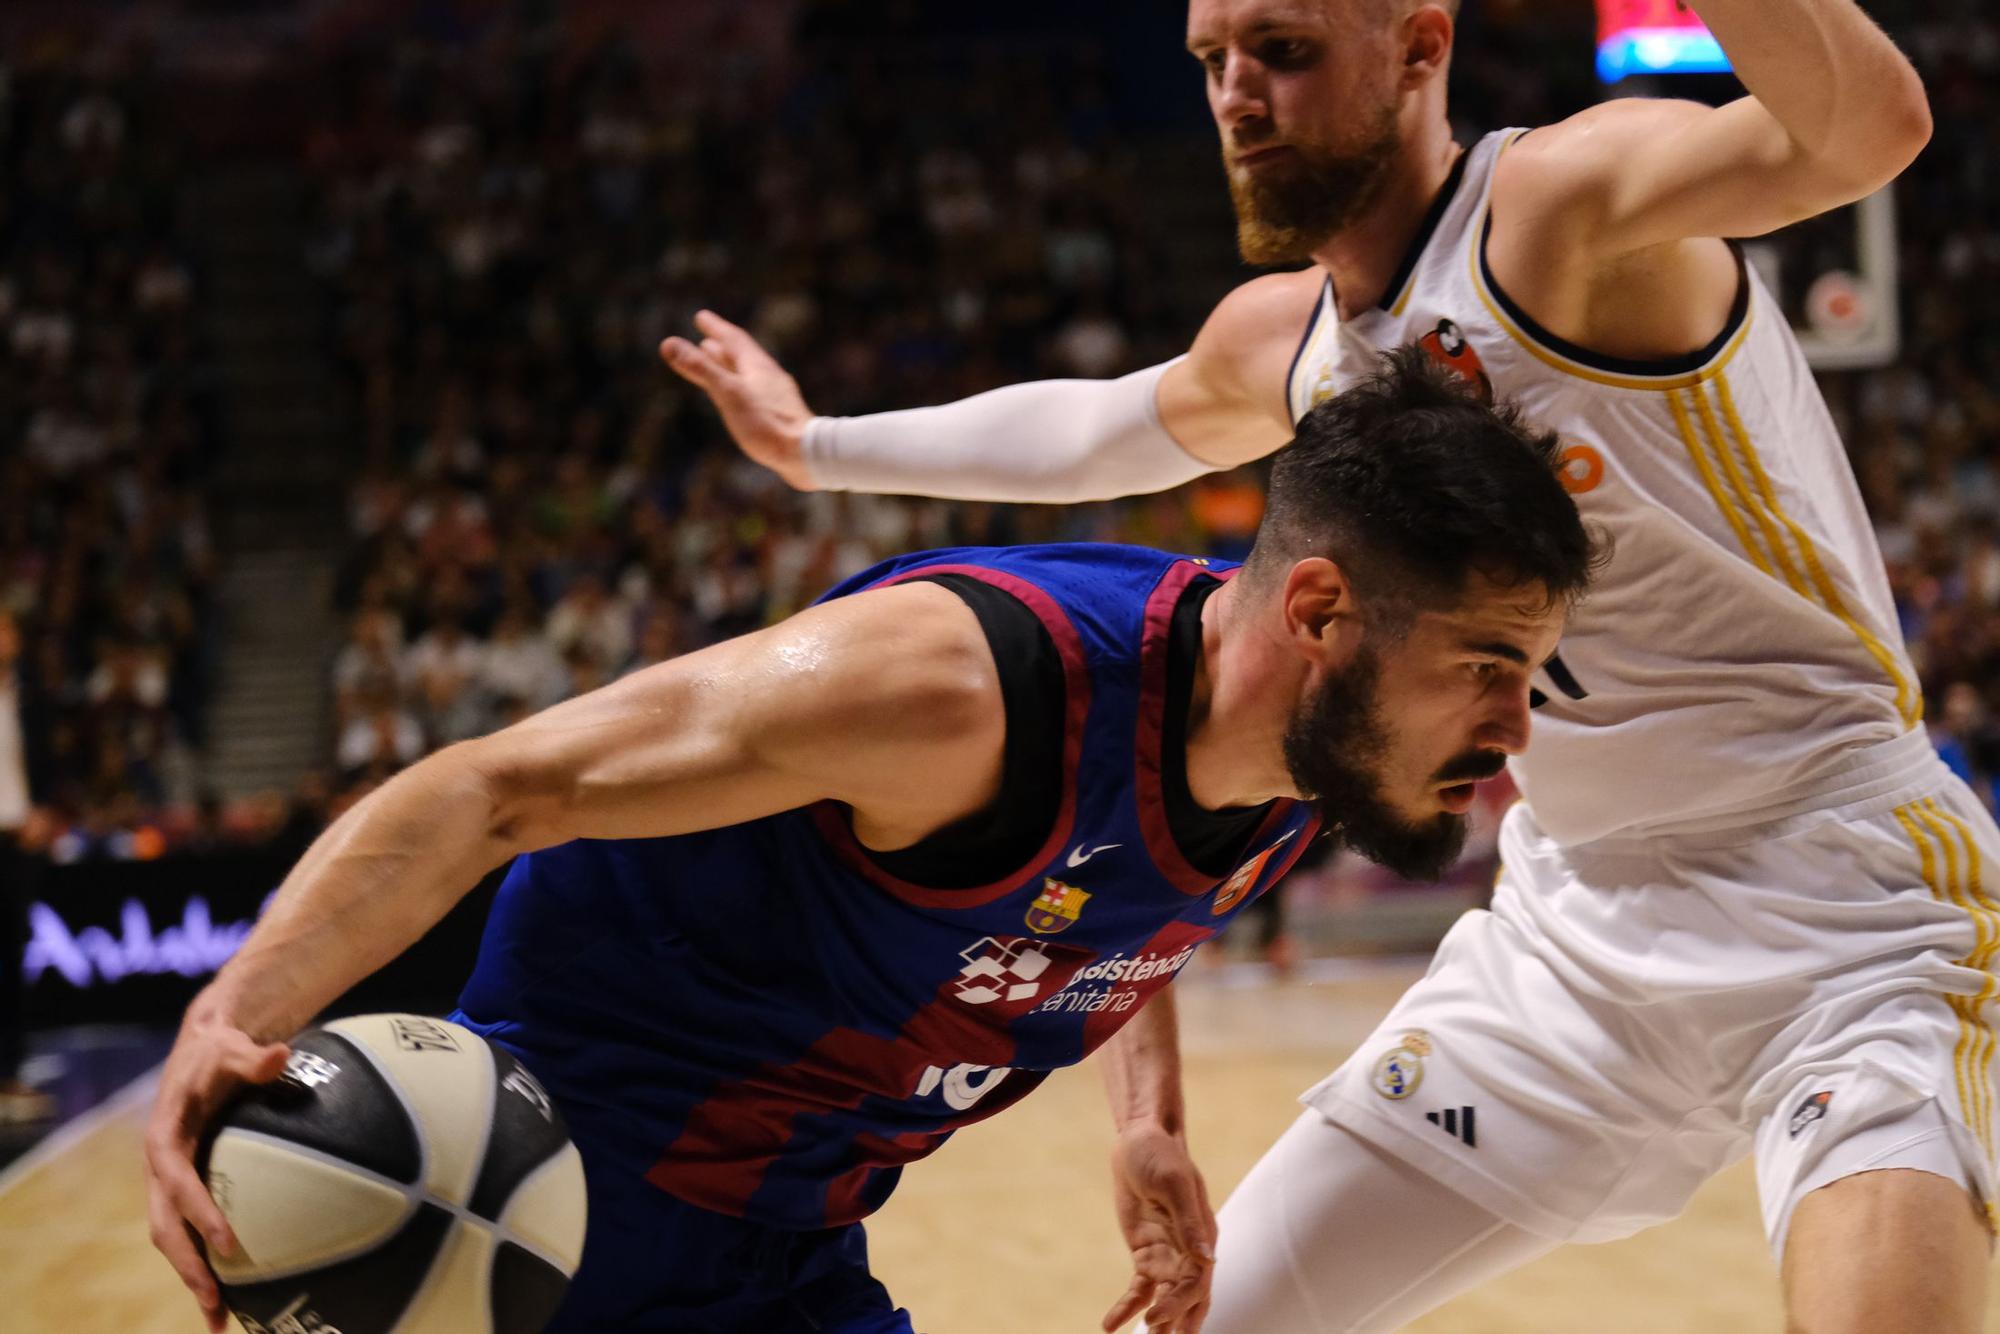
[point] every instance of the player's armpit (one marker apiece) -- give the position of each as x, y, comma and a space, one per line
1226, 402
887, 700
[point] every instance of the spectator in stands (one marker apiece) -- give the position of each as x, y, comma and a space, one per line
444, 666
18, 1102
520, 666
381, 737
371, 666
532, 479
106, 433
583, 671
589, 618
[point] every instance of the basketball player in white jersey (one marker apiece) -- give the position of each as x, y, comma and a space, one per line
1744, 907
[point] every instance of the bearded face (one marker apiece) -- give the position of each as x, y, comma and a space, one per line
1341, 752
1292, 198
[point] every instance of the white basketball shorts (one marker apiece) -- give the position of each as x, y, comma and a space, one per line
1634, 1015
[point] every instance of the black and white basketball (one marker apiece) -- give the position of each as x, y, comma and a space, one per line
405, 1175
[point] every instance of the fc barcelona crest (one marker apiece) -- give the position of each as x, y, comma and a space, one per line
1056, 908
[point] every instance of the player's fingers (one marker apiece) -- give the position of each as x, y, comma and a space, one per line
1128, 1306
176, 1185
1174, 1300
691, 364
733, 338
1187, 1207
1165, 1312
170, 1236
672, 349
254, 1062
718, 352
184, 1190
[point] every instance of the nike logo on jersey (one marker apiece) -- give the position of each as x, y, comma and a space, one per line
1077, 856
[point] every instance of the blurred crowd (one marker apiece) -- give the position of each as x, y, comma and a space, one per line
108, 422
506, 223
541, 508
1924, 435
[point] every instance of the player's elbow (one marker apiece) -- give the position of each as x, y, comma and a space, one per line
1899, 126
520, 797
1912, 118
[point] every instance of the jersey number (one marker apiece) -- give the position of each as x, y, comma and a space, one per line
963, 1085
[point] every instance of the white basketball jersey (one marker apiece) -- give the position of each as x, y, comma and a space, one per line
1742, 637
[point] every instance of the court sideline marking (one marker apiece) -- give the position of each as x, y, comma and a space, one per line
77, 1129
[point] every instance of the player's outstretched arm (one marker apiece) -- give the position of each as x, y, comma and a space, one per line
888, 700
1049, 441
1162, 1202
1834, 112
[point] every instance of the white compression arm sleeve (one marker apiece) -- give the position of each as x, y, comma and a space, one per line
1049, 441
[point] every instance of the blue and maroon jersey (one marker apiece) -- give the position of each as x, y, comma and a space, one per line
767, 1023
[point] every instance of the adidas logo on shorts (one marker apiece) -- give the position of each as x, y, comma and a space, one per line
1456, 1122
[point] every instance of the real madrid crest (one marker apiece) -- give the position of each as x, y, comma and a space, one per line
1401, 1068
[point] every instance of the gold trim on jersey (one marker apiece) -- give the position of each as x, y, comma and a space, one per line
1299, 382
1555, 360
1714, 485
1409, 290
1736, 480
1740, 488
1909, 699
1972, 1059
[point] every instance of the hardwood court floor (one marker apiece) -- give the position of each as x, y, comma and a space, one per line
1008, 1230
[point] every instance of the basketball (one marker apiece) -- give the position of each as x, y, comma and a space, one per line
403, 1174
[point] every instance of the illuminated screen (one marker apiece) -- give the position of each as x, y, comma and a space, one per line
1654, 37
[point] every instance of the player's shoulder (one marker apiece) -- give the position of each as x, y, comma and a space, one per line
917, 629
1256, 327
1582, 148
1273, 304
887, 699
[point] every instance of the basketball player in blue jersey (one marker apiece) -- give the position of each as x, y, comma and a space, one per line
1732, 730
785, 913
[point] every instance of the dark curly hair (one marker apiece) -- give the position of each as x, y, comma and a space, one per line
1411, 484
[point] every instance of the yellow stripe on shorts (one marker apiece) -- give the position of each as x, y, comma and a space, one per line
1986, 917
1973, 1056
